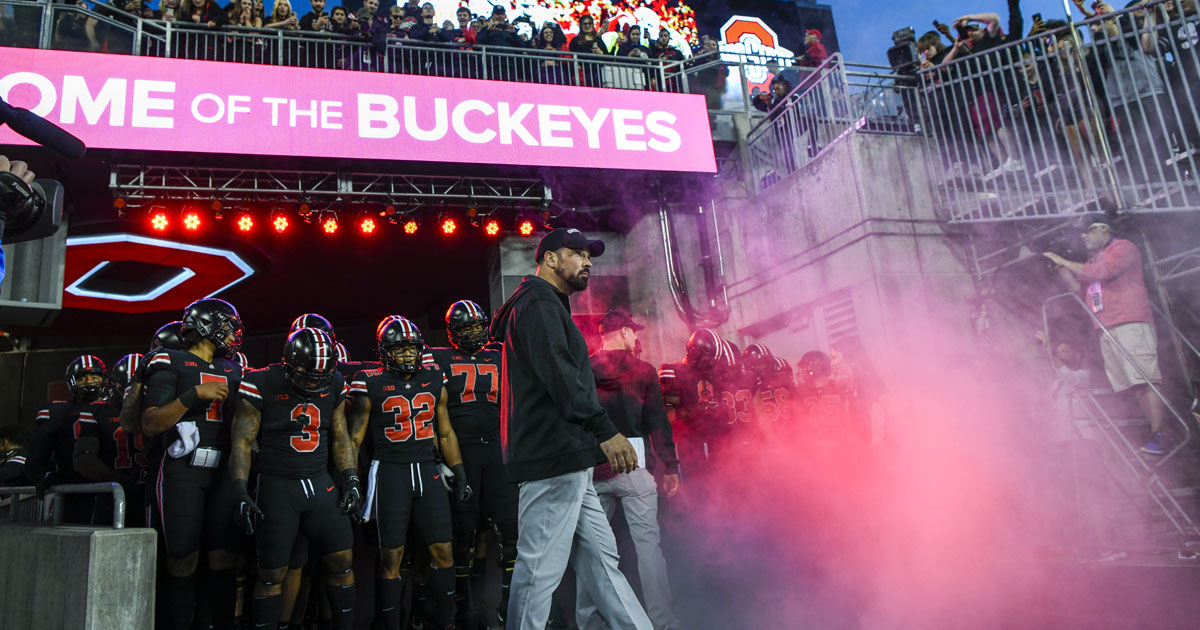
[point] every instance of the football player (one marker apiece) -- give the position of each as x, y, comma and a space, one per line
294, 410
188, 408
105, 451
698, 414
50, 459
824, 405
403, 407
770, 379
472, 370
13, 439
167, 336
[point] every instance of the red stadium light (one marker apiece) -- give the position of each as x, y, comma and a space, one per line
525, 228
159, 221
245, 223
329, 224
367, 225
449, 226
280, 223
491, 227
191, 221
410, 227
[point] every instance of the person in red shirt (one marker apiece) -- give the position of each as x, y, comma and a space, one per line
1112, 285
814, 51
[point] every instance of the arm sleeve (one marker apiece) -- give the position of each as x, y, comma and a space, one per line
1119, 258
358, 386
161, 388
85, 426
542, 338
655, 421
248, 391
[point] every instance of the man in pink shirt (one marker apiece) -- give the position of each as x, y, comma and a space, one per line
1112, 285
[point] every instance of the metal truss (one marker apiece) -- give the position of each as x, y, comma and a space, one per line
143, 186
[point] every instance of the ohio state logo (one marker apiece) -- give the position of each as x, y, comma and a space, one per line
749, 39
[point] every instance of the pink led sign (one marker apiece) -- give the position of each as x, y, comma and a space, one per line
145, 103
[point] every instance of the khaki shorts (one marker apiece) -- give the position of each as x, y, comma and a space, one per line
1140, 342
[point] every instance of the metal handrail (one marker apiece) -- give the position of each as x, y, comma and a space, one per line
1187, 431
56, 492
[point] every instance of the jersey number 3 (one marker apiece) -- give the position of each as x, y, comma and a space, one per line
411, 417
309, 437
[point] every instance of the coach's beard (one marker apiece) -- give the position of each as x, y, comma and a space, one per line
577, 282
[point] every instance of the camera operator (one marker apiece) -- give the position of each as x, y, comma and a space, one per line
21, 171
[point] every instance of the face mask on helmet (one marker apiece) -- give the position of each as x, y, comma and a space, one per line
402, 358
86, 378
121, 375
399, 344
703, 349
466, 325
309, 360
217, 321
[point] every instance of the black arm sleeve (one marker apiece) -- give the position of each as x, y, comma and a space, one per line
542, 337
161, 388
655, 421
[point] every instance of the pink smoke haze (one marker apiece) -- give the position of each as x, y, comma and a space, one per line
145, 103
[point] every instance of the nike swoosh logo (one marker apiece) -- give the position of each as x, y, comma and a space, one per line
324, 395
329, 489
437, 476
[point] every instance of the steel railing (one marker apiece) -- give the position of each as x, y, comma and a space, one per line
1146, 471
1098, 116
25, 504
829, 102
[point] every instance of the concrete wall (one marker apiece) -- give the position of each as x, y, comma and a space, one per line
76, 578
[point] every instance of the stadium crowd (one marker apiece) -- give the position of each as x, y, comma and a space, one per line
279, 474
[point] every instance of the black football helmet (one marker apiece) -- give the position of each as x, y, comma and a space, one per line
312, 320
703, 349
814, 364
757, 361
343, 355
309, 360
82, 366
214, 320
727, 361
167, 337
122, 374
396, 332
462, 315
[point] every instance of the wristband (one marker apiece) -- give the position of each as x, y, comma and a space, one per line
189, 398
240, 486
350, 475
459, 470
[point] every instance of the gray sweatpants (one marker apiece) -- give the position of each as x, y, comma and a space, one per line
553, 514
638, 495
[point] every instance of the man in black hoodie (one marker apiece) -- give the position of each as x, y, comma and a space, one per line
553, 431
629, 391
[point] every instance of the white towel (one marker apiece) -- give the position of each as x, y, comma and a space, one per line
189, 437
639, 446
371, 481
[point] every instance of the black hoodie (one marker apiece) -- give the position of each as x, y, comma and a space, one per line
630, 393
550, 420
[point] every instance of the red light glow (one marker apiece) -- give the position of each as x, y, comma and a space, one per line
492, 227
159, 221
410, 227
330, 225
191, 221
449, 226
280, 223
367, 226
526, 228
245, 223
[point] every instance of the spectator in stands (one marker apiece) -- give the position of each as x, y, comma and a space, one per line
499, 32
554, 68
709, 80
168, 10
1116, 292
206, 12
464, 34
260, 11
662, 48
769, 101
13, 439
427, 29
814, 51
412, 9
633, 46
243, 14
282, 16
932, 50
400, 25
341, 23
371, 23
76, 30
317, 19
588, 40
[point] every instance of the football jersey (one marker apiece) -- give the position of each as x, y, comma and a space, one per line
54, 442
293, 435
737, 393
403, 412
182, 371
119, 449
773, 396
12, 467
472, 390
824, 413
700, 414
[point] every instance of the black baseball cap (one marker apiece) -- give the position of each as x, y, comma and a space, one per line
499, 8
567, 237
616, 319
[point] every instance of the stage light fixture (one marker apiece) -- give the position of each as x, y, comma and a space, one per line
191, 220
410, 226
245, 222
280, 223
491, 227
525, 228
329, 222
218, 209
449, 225
120, 205
305, 212
472, 212
159, 220
367, 225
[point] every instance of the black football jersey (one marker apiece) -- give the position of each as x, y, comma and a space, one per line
472, 390
401, 427
293, 436
773, 398
119, 449
699, 412
54, 441
737, 393
824, 413
169, 372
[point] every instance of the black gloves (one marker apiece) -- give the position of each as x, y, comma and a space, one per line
462, 490
351, 494
247, 510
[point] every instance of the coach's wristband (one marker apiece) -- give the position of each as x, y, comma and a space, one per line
189, 398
